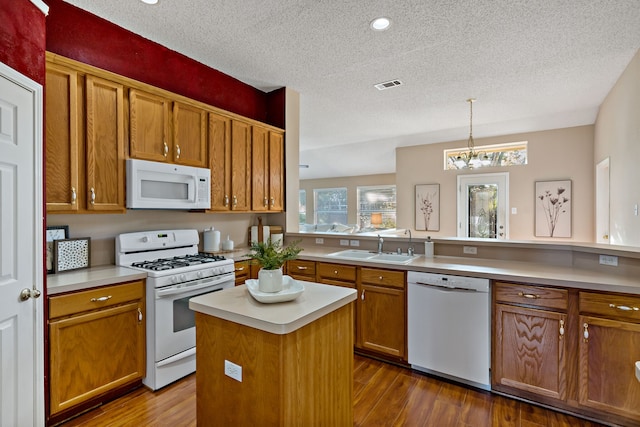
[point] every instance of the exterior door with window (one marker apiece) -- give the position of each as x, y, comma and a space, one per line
482, 206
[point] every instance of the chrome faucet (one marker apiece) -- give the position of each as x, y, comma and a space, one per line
410, 250
380, 242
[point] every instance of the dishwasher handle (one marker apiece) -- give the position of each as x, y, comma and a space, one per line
446, 287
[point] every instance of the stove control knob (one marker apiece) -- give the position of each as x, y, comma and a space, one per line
174, 279
145, 239
183, 277
200, 274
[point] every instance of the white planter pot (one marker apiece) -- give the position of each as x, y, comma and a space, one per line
270, 280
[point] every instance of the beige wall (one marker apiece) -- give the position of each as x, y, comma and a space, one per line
617, 136
351, 183
552, 155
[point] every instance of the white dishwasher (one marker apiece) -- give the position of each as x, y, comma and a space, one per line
449, 327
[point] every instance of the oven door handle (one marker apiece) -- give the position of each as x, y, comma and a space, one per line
172, 290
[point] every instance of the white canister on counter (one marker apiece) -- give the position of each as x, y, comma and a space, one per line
211, 240
428, 248
277, 238
227, 245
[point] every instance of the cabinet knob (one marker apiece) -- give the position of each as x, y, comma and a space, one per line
177, 151
623, 307
101, 299
585, 332
301, 267
362, 296
235, 201
226, 200
165, 149
335, 272
529, 296
93, 196
273, 202
266, 203
139, 315
74, 196
561, 328
380, 278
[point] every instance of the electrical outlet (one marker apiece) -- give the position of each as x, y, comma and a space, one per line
344, 242
232, 370
319, 241
472, 250
609, 260
354, 243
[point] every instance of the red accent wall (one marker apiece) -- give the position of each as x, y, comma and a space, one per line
22, 38
82, 36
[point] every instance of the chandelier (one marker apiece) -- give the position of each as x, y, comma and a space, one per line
471, 158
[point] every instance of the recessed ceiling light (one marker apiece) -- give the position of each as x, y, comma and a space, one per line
149, 1
380, 24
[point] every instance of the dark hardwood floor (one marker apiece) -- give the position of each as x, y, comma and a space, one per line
384, 395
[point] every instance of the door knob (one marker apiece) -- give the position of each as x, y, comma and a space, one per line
27, 293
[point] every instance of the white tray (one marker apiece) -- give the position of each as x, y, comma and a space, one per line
291, 289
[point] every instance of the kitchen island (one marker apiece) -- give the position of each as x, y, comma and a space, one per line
293, 360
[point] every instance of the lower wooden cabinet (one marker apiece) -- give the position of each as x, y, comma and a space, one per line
382, 313
242, 271
302, 270
571, 349
97, 344
609, 346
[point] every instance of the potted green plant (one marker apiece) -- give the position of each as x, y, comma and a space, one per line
271, 256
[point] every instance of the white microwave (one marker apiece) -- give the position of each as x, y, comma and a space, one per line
155, 185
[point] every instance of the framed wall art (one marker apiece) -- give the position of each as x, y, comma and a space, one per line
553, 208
54, 232
427, 207
71, 254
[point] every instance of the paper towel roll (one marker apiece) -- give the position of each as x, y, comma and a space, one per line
428, 249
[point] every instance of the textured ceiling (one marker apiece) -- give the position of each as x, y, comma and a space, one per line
532, 65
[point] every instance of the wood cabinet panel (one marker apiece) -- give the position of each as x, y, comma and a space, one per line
336, 272
382, 320
242, 272
96, 344
259, 169
624, 307
530, 350
62, 155
189, 135
219, 138
105, 145
381, 277
607, 358
276, 171
149, 126
240, 166
531, 295
302, 270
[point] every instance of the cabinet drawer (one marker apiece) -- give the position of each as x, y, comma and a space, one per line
93, 299
302, 268
531, 295
242, 270
337, 271
607, 305
377, 276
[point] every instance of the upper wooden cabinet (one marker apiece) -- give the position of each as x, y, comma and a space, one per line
149, 127
150, 136
189, 135
105, 145
240, 166
267, 170
62, 156
85, 142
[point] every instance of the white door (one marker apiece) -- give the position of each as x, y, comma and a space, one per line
482, 205
602, 202
21, 267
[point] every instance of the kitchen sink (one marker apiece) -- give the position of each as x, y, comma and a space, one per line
362, 255
353, 254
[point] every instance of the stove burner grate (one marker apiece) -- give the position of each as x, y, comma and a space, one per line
162, 264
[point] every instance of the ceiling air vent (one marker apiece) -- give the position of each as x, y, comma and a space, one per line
388, 85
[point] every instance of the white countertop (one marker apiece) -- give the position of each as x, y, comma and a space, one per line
79, 280
238, 306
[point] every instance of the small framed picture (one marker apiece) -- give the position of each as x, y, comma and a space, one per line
553, 208
54, 232
71, 254
428, 207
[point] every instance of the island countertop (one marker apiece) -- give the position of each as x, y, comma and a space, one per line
237, 305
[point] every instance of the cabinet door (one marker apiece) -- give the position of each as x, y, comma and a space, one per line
608, 351
381, 320
95, 352
242, 271
149, 126
189, 135
105, 145
219, 161
276, 171
240, 166
530, 350
62, 142
260, 169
